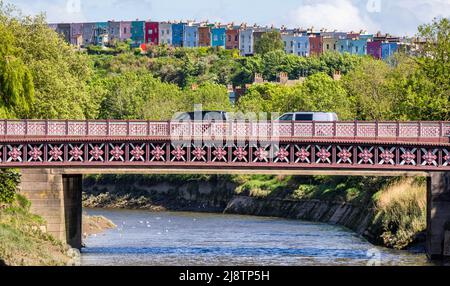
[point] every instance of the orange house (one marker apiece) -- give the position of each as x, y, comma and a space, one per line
204, 36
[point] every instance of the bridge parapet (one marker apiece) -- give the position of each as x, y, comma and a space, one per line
399, 131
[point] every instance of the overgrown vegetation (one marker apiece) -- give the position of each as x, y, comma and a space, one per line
401, 212
23, 239
9, 180
399, 204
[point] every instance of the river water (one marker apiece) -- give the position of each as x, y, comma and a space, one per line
188, 239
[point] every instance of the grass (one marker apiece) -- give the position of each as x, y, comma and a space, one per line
401, 212
23, 242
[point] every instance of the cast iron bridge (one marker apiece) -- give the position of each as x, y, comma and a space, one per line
405, 146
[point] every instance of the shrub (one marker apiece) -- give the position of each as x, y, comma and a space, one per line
9, 180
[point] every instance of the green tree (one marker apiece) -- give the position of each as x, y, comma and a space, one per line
321, 93
367, 87
269, 41
212, 97
434, 61
16, 80
60, 74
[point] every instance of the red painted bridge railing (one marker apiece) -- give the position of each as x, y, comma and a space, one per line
417, 131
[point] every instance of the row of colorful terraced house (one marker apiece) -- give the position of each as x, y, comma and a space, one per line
301, 42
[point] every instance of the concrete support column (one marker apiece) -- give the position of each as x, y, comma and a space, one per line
57, 198
438, 215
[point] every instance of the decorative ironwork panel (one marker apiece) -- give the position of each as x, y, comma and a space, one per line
446, 129
303, 154
14, 153
408, 156
116, 151
323, 154
445, 157
386, 155
2, 128
137, 152
157, 152
241, 129
199, 153
345, 129
98, 129
138, 129
261, 153
387, 130
77, 128
96, 152
118, 129
409, 130
324, 129
429, 157
366, 155
219, 154
158, 129
344, 154
366, 130
16, 128
55, 152
76, 152
240, 153
430, 130
56, 128
35, 153
282, 153
36, 128
303, 130
178, 153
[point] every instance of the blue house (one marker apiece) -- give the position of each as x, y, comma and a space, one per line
358, 47
137, 33
343, 46
190, 36
388, 49
100, 32
218, 36
352, 46
177, 34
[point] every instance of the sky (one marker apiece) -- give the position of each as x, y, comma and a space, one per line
398, 17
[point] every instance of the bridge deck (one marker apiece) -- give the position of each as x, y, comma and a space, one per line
370, 146
427, 132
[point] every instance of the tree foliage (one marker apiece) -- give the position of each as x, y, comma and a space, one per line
16, 80
269, 41
9, 180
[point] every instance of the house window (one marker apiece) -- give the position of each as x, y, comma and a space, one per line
357, 49
334, 47
236, 38
229, 38
292, 44
328, 46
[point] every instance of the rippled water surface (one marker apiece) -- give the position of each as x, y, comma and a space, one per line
168, 238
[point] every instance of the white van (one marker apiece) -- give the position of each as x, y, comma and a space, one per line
309, 116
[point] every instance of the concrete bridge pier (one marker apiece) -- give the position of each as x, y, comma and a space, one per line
57, 198
438, 215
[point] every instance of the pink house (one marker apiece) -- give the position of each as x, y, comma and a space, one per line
374, 49
125, 30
